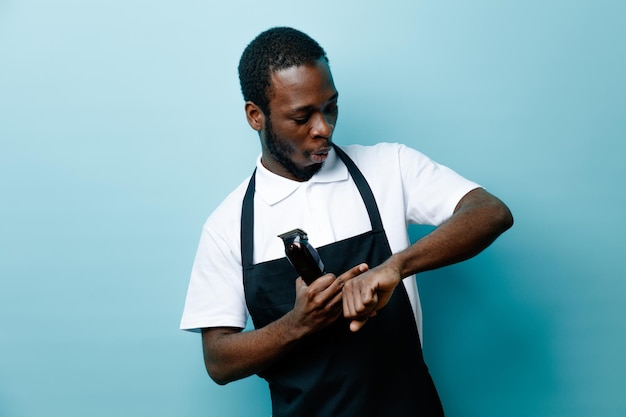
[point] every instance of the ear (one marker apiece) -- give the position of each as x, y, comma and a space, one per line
255, 116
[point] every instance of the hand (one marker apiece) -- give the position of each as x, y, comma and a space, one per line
364, 295
319, 304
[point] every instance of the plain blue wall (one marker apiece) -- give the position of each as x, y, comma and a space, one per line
122, 127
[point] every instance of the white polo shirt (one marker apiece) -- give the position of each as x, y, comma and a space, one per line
409, 188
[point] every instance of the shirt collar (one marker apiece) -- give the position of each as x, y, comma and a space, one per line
273, 188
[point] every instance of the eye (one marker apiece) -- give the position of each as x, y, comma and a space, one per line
332, 108
300, 120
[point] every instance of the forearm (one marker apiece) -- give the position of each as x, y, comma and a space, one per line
230, 354
478, 220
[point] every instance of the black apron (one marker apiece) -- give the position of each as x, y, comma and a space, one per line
378, 371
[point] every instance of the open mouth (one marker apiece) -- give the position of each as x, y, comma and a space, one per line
319, 156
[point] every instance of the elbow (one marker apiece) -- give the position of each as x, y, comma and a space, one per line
502, 218
487, 210
220, 366
217, 375
507, 218
220, 381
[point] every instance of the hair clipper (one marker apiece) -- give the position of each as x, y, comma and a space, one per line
302, 255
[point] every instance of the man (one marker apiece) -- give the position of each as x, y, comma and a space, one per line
348, 344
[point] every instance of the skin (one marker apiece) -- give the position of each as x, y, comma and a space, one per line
303, 108
479, 218
295, 141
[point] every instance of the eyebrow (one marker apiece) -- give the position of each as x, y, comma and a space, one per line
309, 108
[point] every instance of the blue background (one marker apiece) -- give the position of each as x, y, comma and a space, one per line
122, 127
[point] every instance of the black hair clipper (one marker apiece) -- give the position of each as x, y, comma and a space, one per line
302, 255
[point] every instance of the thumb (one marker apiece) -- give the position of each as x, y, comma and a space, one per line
300, 283
356, 325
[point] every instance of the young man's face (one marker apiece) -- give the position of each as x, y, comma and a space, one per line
303, 112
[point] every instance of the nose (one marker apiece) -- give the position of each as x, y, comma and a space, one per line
322, 126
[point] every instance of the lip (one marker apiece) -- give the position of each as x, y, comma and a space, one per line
319, 156
323, 151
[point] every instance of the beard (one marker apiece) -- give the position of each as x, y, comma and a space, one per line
281, 152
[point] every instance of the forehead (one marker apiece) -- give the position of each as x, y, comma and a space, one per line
302, 86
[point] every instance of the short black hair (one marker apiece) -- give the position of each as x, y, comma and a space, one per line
275, 49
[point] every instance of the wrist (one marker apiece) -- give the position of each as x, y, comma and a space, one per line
397, 264
292, 328
394, 265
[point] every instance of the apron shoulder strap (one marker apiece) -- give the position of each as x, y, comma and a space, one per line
364, 189
247, 224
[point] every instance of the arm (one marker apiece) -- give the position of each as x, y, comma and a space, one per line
230, 354
478, 219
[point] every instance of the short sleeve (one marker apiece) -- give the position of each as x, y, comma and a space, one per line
215, 296
432, 191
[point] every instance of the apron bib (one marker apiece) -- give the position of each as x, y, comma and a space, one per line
378, 371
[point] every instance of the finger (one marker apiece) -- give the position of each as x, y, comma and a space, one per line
356, 325
369, 299
336, 284
349, 310
346, 302
328, 286
359, 300
351, 289
322, 284
365, 299
360, 268
301, 288
354, 271
334, 294
351, 299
